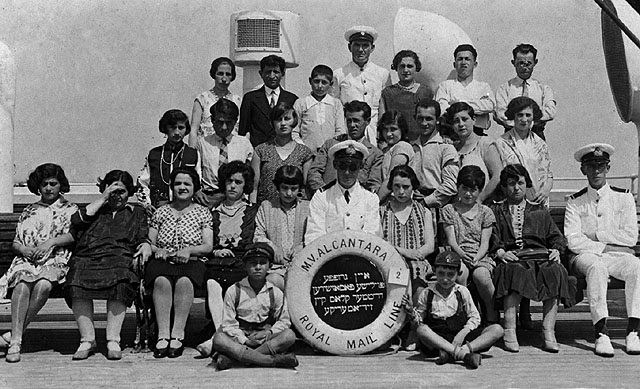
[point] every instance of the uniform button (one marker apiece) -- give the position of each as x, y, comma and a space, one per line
348, 214
365, 93
348, 228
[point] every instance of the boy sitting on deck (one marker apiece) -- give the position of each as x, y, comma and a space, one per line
255, 322
446, 316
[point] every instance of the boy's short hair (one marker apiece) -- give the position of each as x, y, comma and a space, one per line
406, 54
290, 175
358, 106
173, 116
280, 110
225, 107
465, 47
44, 171
219, 61
449, 259
472, 177
429, 103
273, 60
396, 118
191, 172
519, 103
459, 106
514, 172
322, 70
404, 171
259, 250
525, 48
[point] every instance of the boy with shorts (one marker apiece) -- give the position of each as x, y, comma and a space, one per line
255, 323
447, 320
321, 115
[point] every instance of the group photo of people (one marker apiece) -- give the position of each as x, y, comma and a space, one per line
242, 184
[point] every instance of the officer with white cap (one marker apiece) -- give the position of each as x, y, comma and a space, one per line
601, 228
361, 79
344, 204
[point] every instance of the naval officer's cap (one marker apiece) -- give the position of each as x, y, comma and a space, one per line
361, 33
594, 152
348, 150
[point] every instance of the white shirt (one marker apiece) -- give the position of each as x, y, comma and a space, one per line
541, 94
595, 218
351, 82
239, 148
329, 212
269, 92
319, 120
477, 94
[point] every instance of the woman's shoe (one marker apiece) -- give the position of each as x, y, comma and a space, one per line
13, 353
114, 352
511, 340
86, 349
5, 340
161, 352
175, 352
550, 342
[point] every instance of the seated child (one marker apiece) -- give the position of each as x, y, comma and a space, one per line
446, 317
281, 223
153, 179
468, 226
321, 115
255, 324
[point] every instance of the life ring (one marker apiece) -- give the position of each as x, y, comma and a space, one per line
344, 292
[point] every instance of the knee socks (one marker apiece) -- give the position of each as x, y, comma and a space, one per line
633, 324
601, 328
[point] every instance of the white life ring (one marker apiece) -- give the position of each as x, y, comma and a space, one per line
349, 297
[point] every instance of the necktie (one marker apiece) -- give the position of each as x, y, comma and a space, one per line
272, 102
223, 152
346, 196
525, 90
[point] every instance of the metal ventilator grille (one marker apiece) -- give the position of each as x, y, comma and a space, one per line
258, 33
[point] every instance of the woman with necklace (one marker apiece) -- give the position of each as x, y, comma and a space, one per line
521, 224
180, 234
472, 148
223, 72
153, 180
234, 223
404, 95
281, 150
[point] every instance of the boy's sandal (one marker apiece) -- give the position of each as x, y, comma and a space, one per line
13, 353
162, 351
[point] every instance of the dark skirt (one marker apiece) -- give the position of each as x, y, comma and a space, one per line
225, 275
535, 280
102, 278
194, 270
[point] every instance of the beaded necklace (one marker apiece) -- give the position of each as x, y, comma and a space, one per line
170, 163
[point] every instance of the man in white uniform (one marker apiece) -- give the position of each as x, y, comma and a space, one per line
344, 204
601, 228
361, 79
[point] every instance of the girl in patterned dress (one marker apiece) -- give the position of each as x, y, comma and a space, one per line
223, 72
181, 235
467, 226
41, 261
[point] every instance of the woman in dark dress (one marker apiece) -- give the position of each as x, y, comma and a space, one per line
109, 233
521, 224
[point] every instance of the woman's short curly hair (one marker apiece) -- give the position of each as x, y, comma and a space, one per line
395, 118
457, 107
406, 54
514, 172
472, 177
114, 176
44, 171
173, 116
191, 172
219, 61
519, 103
228, 169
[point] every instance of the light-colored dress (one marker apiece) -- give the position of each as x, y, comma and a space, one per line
477, 155
400, 148
38, 223
206, 99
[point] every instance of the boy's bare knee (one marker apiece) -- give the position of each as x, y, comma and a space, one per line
213, 287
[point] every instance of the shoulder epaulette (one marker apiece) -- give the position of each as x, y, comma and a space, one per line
578, 193
329, 185
621, 190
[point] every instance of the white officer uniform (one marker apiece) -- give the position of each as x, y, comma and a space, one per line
329, 211
593, 219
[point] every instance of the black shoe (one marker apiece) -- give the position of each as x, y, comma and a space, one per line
161, 352
472, 360
175, 352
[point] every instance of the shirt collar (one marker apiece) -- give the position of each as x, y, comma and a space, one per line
435, 138
598, 193
354, 189
268, 91
311, 101
245, 283
355, 65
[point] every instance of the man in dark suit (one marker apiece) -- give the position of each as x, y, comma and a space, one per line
257, 104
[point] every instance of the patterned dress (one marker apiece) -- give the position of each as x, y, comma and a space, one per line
38, 223
270, 161
206, 99
176, 232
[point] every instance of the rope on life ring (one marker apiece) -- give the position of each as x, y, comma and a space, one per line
344, 292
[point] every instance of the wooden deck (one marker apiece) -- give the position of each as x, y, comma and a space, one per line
50, 341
